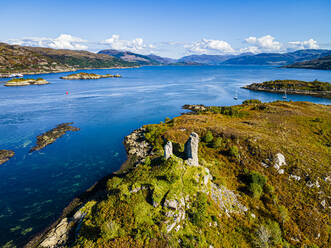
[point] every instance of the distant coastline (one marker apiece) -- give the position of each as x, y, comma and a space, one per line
6, 75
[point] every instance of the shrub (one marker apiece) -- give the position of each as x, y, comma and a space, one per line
167, 120
208, 137
109, 230
251, 101
268, 235
234, 152
217, 142
255, 177
255, 190
269, 189
148, 161
283, 213
198, 211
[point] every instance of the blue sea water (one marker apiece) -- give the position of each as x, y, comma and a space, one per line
35, 187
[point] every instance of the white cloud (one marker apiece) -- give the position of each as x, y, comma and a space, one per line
265, 43
251, 49
206, 46
135, 45
64, 41
307, 44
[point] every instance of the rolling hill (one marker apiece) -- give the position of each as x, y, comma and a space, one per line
133, 57
23, 59
323, 63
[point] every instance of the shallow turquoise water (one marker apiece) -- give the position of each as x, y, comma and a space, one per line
34, 188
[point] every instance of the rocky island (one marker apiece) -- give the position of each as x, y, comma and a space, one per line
5, 155
297, 87
51, 136
25, 82
83, 75
251, 175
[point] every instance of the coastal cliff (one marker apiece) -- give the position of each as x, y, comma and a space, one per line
251, 175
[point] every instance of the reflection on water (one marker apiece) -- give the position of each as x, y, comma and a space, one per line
35, 187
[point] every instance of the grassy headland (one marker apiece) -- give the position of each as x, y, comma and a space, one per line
262, 181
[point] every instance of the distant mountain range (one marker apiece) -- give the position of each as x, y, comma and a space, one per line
138, 58
278, 58
23, 59
204, 59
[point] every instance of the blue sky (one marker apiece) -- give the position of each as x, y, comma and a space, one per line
168, 28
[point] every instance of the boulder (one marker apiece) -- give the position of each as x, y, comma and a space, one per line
279, 161
171, 204
168, 150
191, 149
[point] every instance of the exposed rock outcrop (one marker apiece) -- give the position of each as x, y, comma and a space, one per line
168, 150
279, 161
59, 235
5, 155
136, 145
195, 108
191, 149
51, 136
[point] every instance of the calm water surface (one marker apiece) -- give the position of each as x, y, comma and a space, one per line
35, 187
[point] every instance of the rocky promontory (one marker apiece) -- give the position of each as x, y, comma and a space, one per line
295, 87
25, 82
5, 155
51, 136
83, 75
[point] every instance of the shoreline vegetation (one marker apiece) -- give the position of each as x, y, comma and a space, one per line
295, 87
83, 75
280, 187
25, 82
